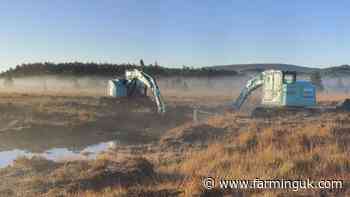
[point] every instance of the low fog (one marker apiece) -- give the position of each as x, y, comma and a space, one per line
97, 86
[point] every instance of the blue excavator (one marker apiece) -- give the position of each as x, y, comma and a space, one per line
135, 83
280, 90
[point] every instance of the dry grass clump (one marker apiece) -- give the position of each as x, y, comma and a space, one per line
162, 190
324, 96
35, 164
312, 149
37, 176
214, 128
201, 133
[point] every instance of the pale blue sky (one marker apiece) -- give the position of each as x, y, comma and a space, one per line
177, 32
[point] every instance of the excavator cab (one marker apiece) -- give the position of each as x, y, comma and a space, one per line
289, 77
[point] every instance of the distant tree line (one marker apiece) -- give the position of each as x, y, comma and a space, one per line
316, 79
106, 69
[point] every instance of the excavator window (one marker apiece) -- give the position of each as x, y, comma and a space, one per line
289, 77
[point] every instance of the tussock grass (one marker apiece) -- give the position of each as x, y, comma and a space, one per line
310, 150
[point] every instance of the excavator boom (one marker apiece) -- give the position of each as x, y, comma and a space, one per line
150, 83
251, 85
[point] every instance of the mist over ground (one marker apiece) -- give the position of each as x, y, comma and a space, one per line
97, 86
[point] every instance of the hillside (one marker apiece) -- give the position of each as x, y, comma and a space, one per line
334, 71
264, 66
337, 71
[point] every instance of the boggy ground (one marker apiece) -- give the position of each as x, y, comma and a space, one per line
38, 122
228, 145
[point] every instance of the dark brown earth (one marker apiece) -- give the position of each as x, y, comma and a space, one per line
30, 121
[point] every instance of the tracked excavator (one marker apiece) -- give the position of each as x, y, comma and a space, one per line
135, 83
281, 92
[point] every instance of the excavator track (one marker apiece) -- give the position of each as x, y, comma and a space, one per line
270, 112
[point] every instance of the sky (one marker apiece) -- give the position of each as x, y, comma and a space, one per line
175, 32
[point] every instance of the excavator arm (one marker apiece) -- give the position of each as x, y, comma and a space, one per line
251, 85
150, 83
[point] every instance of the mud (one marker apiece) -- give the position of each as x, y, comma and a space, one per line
40, 122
